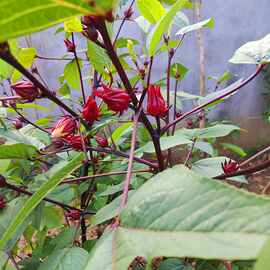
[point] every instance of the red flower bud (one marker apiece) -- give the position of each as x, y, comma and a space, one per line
116, 99
17, 123
3, 202
26, 90
128, 13
74, 214
75, 142
230, 166
189, 123
64, 127
103, 142
69, 45
178, 114
90, 110
2, 181
156, 105
109, 16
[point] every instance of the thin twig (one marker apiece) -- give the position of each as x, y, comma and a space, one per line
189, 155
263, 151
83, 178
130, 162
200, 107
78, 67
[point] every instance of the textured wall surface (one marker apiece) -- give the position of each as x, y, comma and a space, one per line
236, 22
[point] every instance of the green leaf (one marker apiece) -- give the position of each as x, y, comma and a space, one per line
73, 25
19, 18
98, 57
17, 151
171, 264
263, 259
178, 71
37, 197
181, 20
205, 147
71, 74
143, 24
26, 58
68, 259
121, 131
192, 216
163, 25
109, 211
193, 27
166, 143
219, 130
254, 52
151, 10
234, 148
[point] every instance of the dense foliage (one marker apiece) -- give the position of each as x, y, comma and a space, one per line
99, 174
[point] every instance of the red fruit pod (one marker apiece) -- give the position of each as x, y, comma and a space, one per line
64, 127
103, 142
116, 99
230, 166
109, 16
90, 110
156, 105
189, 123
26, 90
17, 123
74, 214
75, 142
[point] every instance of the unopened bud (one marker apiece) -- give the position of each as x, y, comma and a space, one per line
189, 123
3, 182
171, 52
109, 16
17, 123
128, 13
166, 39
26, 89
70, 45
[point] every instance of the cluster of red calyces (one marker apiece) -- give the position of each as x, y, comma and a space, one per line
3, 202
90, 110
116, 99
101, 141
230, 166
26, 90
74, 214
156, 105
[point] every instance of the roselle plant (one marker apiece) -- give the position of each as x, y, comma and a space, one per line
91, 181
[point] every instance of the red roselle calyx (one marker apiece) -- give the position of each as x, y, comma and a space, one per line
74, 214
64, 127
103, 142
75, 142
189, 123
156, 105
116, 99
3, 202
109, 16
17, 123
230, 166
26, 90
3, 182
69, 45
90, 110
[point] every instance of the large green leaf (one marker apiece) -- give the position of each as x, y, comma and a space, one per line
98, 57
263, 260
166, 143
23, 17
62, 172
66, 259
179, 213
219, 130
254, 52
72, 75
17, 151
207, 23
163, 25
151, 10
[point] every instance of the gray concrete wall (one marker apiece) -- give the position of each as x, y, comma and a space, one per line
236, 22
